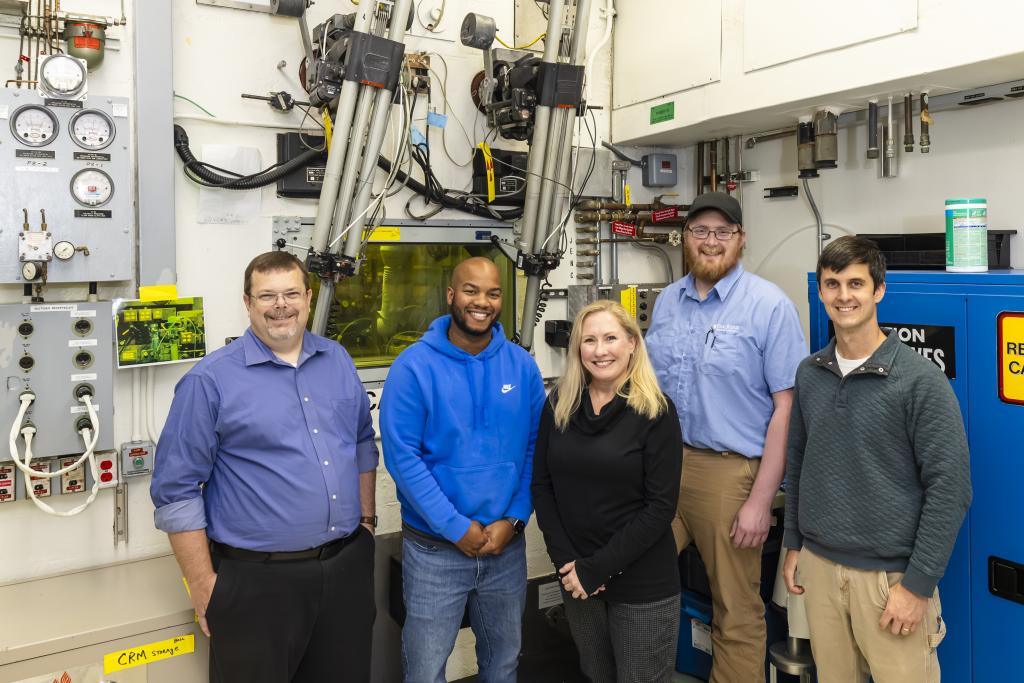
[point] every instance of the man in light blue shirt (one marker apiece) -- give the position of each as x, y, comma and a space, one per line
725, 344
265, 472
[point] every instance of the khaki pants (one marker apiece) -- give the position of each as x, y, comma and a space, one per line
844, 606
713, 488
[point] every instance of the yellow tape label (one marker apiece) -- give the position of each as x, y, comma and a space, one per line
627, 196
158, 292
1010, 337
489, 165
386, 234
627, 298
147, 654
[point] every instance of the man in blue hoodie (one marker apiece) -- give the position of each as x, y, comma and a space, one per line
458, 421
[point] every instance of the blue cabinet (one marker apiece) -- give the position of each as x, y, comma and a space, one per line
952, 319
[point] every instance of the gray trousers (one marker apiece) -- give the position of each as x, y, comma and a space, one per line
625, 643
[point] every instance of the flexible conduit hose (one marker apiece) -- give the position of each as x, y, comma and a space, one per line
229, 183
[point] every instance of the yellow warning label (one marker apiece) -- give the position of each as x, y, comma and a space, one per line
147, 654
627, 298
386, 234
489, 164
1011, 357
158, 292
627, 196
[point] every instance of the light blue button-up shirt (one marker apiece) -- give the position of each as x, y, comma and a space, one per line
721, 359
278, 448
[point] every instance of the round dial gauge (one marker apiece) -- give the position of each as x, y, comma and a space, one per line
91, 129
91, 187
34, 126
63, 250
62, 75
30, 270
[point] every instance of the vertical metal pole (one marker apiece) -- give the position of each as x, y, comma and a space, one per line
541, 124
379, 126
339, 144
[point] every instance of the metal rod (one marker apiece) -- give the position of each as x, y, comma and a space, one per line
908, 123
541, 124
378, 128
339, 146
872, 129
713, 164
700, 169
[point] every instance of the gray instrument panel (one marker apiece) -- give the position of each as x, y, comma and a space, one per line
53, 151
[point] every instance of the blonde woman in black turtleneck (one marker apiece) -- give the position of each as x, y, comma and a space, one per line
605, 486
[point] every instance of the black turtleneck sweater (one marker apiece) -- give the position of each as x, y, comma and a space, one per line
605, 491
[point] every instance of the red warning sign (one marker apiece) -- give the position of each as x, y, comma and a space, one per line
665, 214
627, 229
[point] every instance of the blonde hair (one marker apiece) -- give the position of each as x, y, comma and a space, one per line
644, 396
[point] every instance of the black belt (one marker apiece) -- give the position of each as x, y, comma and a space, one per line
321, 552
712, 451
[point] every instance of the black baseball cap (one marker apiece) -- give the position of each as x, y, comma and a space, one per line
719, 201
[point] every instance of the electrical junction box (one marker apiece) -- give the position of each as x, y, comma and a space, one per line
137, 458
660, 170
637, 299
69, 159
304, 182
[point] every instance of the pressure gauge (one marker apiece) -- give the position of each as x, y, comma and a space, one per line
91, 129
63, 250
62, 76
30, 270
91, 187
34, 126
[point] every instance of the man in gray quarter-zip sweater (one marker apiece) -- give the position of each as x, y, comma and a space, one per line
878, 482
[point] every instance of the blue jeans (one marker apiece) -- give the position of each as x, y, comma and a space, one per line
437, 582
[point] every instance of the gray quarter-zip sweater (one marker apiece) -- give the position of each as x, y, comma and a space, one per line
878, 470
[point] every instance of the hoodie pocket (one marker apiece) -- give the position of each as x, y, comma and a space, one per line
481, 492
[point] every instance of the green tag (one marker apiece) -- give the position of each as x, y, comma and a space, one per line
663, 112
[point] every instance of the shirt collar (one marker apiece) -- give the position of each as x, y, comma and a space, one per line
724, 286
880, 363
257, 352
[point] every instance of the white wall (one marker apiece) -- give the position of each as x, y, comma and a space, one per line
974, 153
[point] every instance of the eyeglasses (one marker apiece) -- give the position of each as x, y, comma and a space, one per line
270, 298
701, 232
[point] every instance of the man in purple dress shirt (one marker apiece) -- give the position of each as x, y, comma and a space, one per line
264, 482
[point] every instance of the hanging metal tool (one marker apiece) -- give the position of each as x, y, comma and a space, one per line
926, 120
908, 123
872, 129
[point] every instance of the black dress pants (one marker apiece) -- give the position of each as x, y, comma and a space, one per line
294, 621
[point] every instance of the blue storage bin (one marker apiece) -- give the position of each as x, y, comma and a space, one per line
694, 625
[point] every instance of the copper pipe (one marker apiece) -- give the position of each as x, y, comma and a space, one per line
713, 163
700, 168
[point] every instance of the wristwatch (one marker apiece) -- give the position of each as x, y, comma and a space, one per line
518, 525
372, 521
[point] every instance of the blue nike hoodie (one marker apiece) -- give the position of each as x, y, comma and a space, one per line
458, 431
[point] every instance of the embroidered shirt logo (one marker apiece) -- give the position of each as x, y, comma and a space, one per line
505, 388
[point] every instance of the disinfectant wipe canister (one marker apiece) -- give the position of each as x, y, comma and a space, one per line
967, 235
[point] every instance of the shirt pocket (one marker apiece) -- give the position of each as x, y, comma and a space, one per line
345, 418
723, 353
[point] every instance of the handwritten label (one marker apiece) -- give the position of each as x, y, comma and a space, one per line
84, 377
147, 654
82, 342
386, 234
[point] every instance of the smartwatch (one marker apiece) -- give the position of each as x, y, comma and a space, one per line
518, 525
372, 521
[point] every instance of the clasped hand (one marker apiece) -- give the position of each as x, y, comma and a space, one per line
485, 540
571, 582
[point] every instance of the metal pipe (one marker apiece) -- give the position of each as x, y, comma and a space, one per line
541, 125
890, 142
700, 169
817, 217
726, 175
713, 164
339, 145
872, 129
753, 140
381, 115
908, 123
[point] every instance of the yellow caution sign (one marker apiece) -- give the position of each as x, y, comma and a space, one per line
489, 165
1010, 337
386, 234
627, 298
627, 196
147, 654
